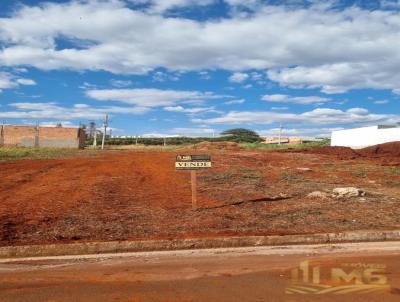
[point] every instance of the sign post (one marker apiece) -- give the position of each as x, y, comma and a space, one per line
193, 180
193, 163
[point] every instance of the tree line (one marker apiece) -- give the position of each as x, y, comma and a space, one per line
238, 135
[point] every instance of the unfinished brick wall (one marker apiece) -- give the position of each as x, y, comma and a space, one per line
30, 136
19, 136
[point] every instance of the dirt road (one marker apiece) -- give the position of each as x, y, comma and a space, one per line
242, 274
139, 195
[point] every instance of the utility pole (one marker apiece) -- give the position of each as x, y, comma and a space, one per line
280, 133
165, 141
36, 142
105, 124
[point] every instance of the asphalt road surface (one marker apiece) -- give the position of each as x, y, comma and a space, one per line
340, 272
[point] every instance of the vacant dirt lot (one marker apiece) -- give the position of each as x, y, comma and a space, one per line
139, 195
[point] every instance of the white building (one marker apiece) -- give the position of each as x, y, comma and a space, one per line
365, 136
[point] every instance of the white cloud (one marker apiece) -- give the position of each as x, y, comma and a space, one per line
204, 75
381, 102
280, 108
120, 83
54, 111
275, 98
247, 3
304, 100
161, 6
28, 82
259, 78
193, 110
351, 48
87, 85
148, 97
320, 116
339, 77
301, 132
238, 77
160, 76
239, 101
8, 81
193, 131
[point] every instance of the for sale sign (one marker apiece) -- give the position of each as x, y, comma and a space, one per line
193, 162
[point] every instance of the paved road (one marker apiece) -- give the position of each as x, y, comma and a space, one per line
341, 272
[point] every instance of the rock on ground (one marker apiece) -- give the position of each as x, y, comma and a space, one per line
347, 192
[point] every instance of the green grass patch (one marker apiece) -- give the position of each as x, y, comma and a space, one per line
289, 177
249, 174
286, 146
16, 153
328, 165
393, 171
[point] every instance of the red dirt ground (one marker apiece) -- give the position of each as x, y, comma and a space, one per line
139, 195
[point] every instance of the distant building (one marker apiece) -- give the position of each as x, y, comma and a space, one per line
32, 136
365, 136
290, 140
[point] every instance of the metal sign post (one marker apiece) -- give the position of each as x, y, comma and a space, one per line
193, 163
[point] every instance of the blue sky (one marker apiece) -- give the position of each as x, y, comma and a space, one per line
185, 67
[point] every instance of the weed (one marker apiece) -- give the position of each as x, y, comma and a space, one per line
288, 177
220, 176
285, 146
328, 165
250, 174
392, 170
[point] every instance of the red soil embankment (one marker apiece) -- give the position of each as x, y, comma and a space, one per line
383, 150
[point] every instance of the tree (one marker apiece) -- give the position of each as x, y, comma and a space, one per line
242, 135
